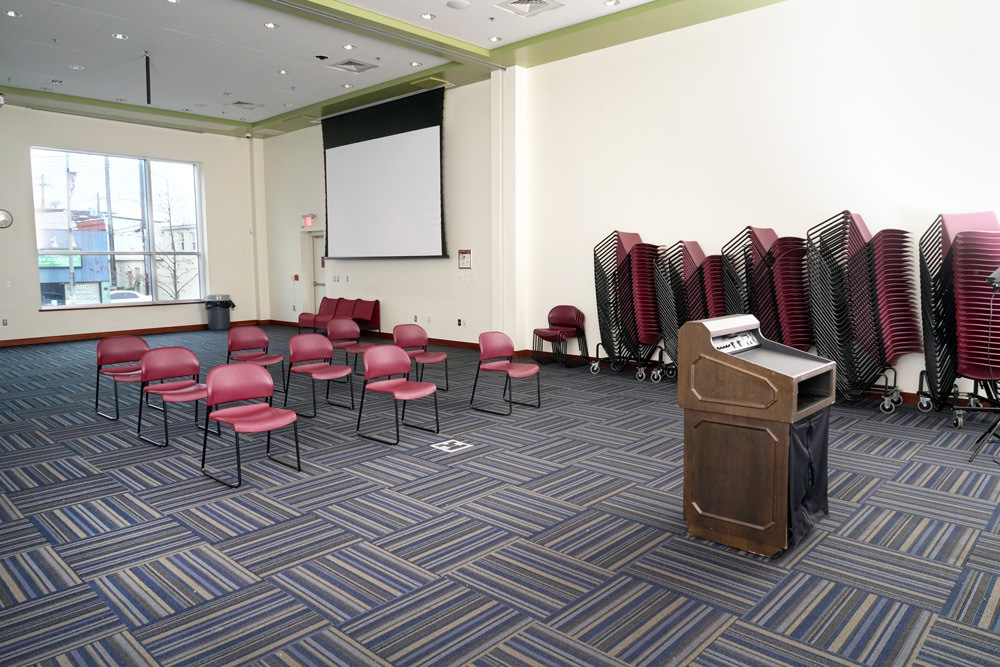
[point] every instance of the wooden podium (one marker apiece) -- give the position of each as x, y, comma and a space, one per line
742, 395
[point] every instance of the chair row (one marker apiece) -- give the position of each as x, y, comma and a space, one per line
173, 374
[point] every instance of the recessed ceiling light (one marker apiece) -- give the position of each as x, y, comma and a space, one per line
289, 104
271, 25
348, 46
458, 4
227, 94
348, 85
120, 35
494, 38
282, 71
77, 67
427, 16
415, 64
56, 82
612, 3
11, 13
173, 2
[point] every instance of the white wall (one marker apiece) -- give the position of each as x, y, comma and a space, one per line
780, 117
434, 290
228, 209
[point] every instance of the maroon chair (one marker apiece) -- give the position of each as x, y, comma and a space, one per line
250, 344
318, 320
413, 339
238, 383
496, 353
311, 354
180, 366
382, 363
118, 358
345, 334
565, 324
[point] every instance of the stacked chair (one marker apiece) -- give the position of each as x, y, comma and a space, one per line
863, 303
626, 302
765, 276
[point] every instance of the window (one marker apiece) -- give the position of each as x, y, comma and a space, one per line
113, 229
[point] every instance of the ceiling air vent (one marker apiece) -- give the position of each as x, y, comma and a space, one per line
528, 7
245, 106
355, 66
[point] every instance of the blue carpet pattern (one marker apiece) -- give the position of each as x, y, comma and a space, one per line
557, 538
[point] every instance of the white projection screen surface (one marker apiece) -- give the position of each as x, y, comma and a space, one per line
383, 196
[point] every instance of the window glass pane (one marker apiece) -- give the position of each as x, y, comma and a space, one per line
95, 240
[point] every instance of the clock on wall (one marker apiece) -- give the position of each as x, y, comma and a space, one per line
6, 219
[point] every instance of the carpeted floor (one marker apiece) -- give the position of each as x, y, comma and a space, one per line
556, 538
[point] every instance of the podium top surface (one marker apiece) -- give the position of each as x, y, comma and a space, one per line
779, 360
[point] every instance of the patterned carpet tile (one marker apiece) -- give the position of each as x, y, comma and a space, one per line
378, 513
152, 474
26, 454
975, 601
234, 629
894, 428
518, 511
133, 454
352, 581
727, 578
530, 578
234, 516
980, 485
635, 468
601, 539
648, 506
510, 467
441, 624
935, 504
911, 534
578, 486
8, 512
17, 435
876, 445
505, 434
46, 627
333, 455
394, 469
156, 589
451, 488
188, 492
891, 574
606, 436
444, 542
27, 575
851, 622
93, 517
985, 553
61, 494
667, 448
112, 651
641, 624
17, 535
539, 645
561, 450
279, 546
952, 644
851, 487
865, 464
329, 646
322, 490
93, 556
751, 646
44, 473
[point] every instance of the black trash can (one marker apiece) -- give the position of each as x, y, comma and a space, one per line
218, 307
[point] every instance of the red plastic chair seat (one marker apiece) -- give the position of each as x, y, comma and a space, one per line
260, 359
515, 370
180, 391
429, 357
122, 373
402, 389
254, 418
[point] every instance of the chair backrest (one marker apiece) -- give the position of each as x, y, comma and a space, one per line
342, 328
384, 360
247, 338
566, 316
168, 362
120, 350
309, 347
328, 306
345, 308
409, 335
494, 345
238, 382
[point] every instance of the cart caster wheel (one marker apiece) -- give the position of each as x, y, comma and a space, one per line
670, 372
617, 366
655, 376
925, 404
595, 368
975, 402
897, 398
958, 421
886, 407
640, 375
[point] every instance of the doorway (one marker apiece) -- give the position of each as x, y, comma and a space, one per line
319, 270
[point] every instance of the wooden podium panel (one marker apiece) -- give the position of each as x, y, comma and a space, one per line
741, 393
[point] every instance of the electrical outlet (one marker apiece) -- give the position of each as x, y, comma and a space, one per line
293, 309
428, 319
460, 321
414, 318
347, 279
5, 322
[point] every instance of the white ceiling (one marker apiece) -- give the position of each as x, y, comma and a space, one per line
214, 66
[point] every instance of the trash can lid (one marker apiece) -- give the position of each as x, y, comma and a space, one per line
217, 297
